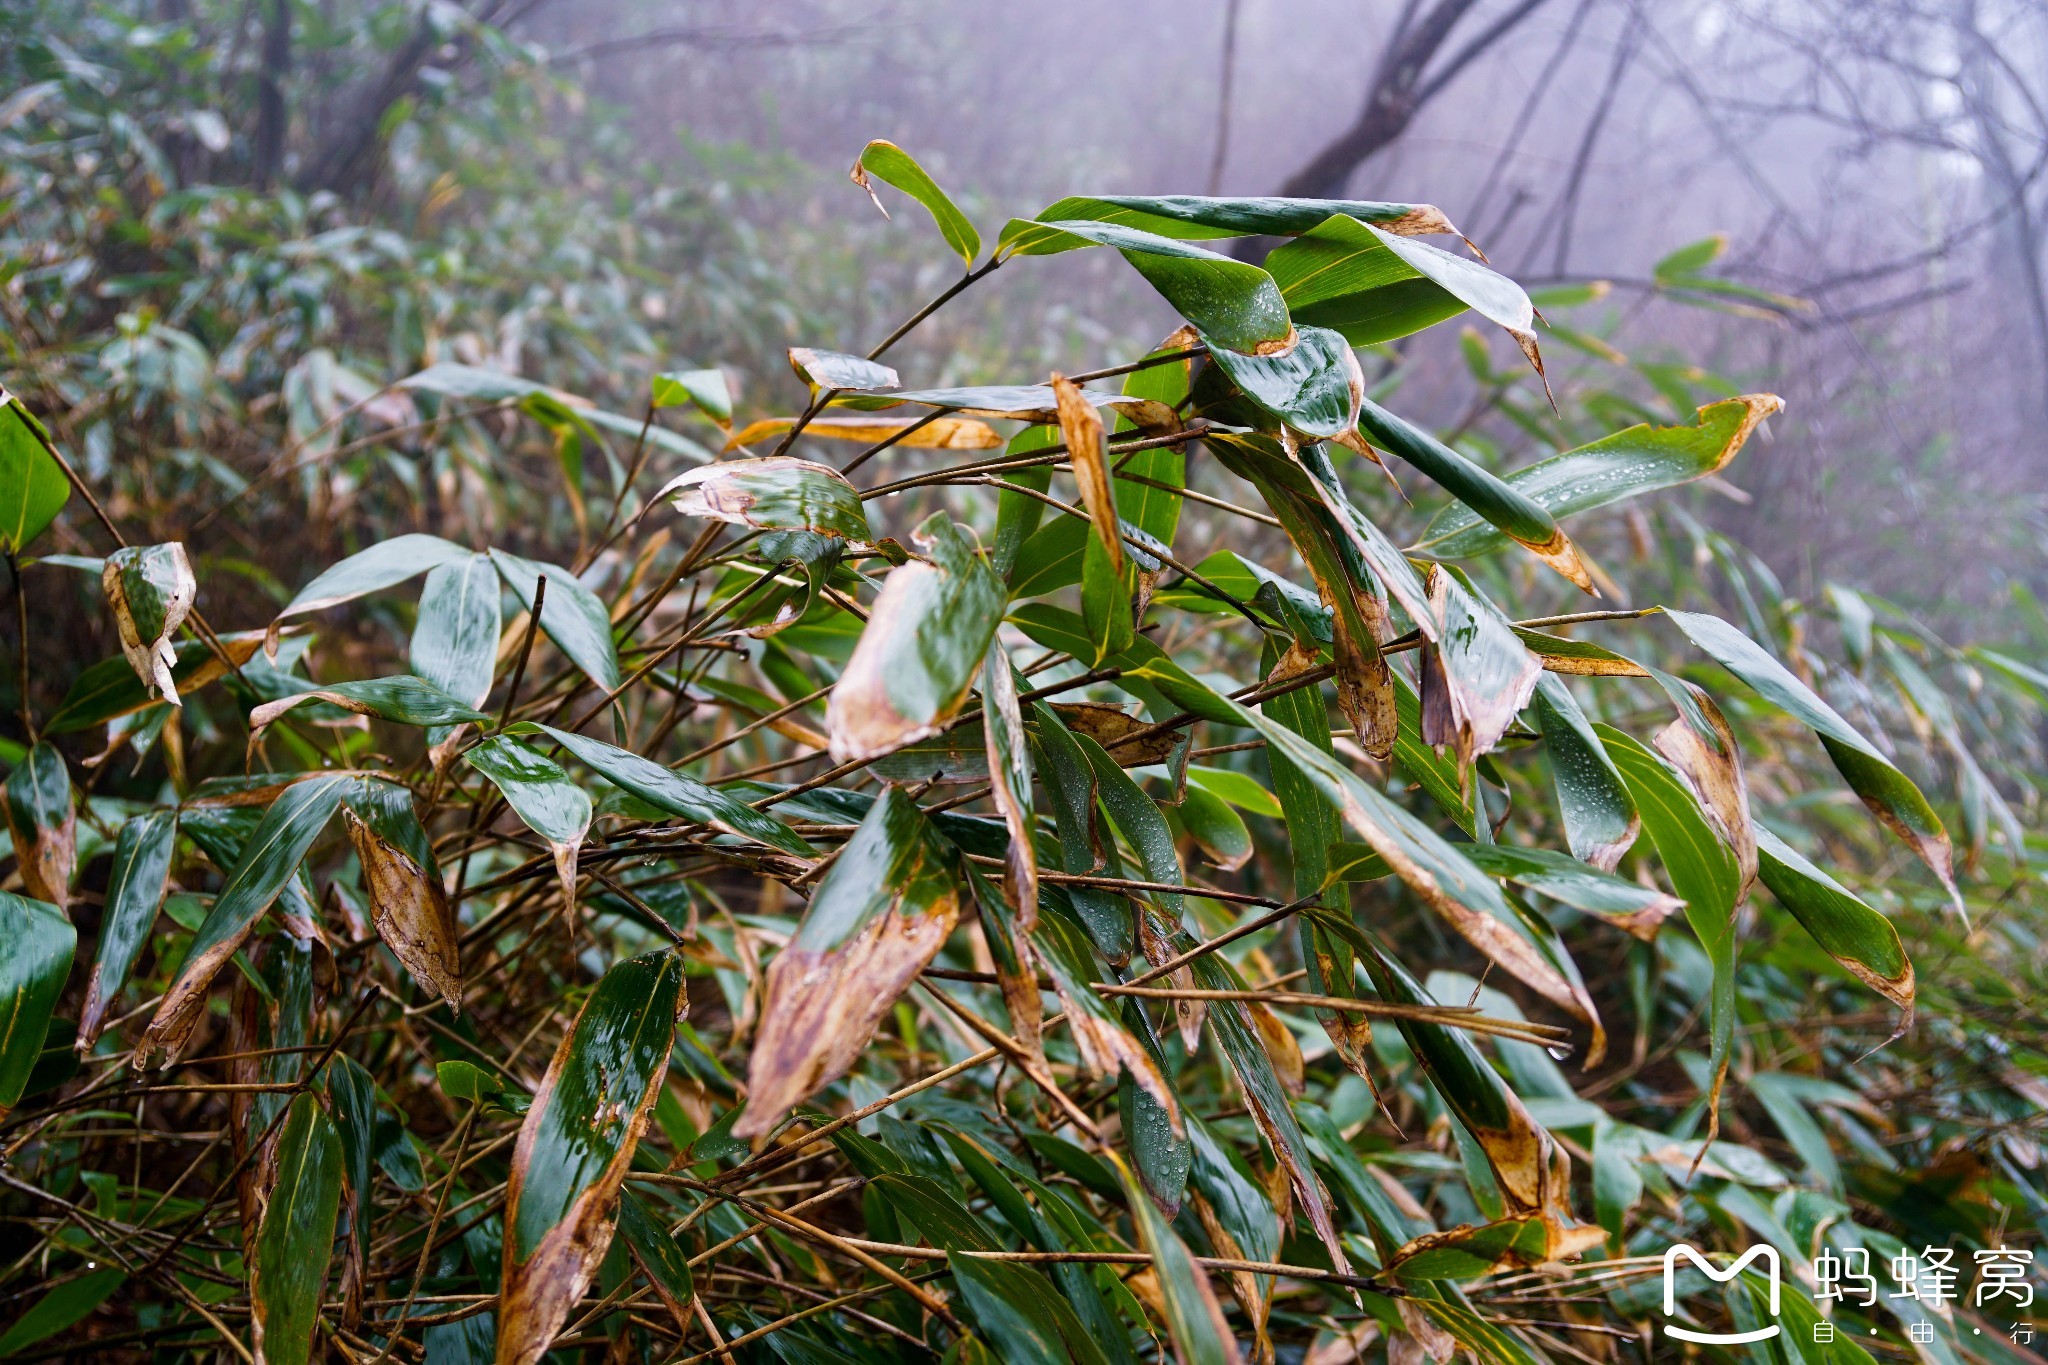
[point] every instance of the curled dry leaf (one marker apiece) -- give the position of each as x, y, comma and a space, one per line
940, 433
576, 1145
151, 589
1712, 766
881, 914
926, 637
408, 901
1081, 428
1111, 726
43, 825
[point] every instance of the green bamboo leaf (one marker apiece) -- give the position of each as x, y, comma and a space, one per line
352, 1096
1690, 259
1027, 1319
403, 698
1202, 217
295, 1240
33, 489
1565, 879
1241, 790
660, 1257
1070, 786
109, 689
1512, 512
1314, 386
1105, 604
1155, 1133
150, 588
455, 639
70, 1302
42, 823
1600, 821
572, 615
887, 162
1850, 931
541, 794
1703, 871
1147, 480
1007, 748
1235, 305
774, 493
678, 793
36, 944
708, 390
1373, 285
823, 369
1194, 1318
1891, 796
1478, 675
1217, 829
878, 918
925, 639
408, 900
135, 888
576, 1145
934, 1211
273, 853
1641, 459
384, 565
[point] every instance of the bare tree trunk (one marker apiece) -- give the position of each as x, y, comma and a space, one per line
273, 116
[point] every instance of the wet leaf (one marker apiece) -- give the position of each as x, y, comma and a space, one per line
1850, 931
151, 589
1477, 676
1704, 872
576, 1145
1641, 459
708, 390
1009, 767
1217, 829
109, 689
1711, 765
926, 637
268, 860
1081, 428
1638, 909
384, 565
294, 1242
67, 1303
1023, 1315
1314, 387
541, 794
1196, 216
771, 494
1234, 304
1891, 796
1600, 820
408, 901
1194, 1319
678, 793
879, 916
455, 639
660, 1257
404, 698
135, 888
33, 489
572, 615
1015, 402
838, 370
1510, 511
1373, 285
36, 944
887, 162
42, 824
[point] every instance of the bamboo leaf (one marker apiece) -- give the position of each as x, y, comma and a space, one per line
455, 639
1600, 819
384, 565
1850, 931
67, 1303
1200, 217
1641, 459
109, 689
926, 637
576, 1145
771, 494
408, 901
1477, 676
541, 794
135, 888
660, 1257
42, 824
1234, 304
1022, 1314
36, 944
404, 699
678, 793
268, 860
1314, 387
572, 615
837, 370
935, 433
288, 1272
1891, 796
1009, 766
1194, 1319
887, 162
151, 589
1081, 428
879, 916
708, 390
33, 489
